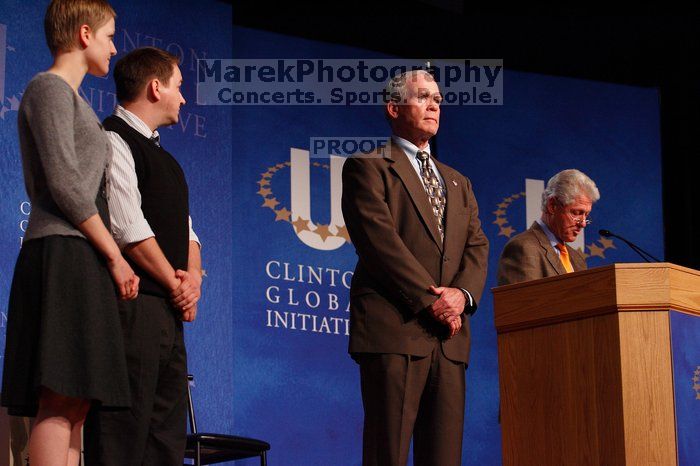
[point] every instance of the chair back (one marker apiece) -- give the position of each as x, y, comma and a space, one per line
190, 405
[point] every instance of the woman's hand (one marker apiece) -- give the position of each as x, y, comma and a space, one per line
125, 279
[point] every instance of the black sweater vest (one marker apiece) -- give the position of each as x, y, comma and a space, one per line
164, 200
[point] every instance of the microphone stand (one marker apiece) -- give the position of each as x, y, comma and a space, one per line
642, 253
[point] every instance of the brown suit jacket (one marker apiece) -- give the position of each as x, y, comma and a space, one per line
530, 255
395, 233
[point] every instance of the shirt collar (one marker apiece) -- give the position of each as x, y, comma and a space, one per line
408, 147
550, 236
135, 122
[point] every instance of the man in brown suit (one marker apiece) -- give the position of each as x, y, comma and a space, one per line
541, 251
421, 270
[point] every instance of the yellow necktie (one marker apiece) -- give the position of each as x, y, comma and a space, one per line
564, 257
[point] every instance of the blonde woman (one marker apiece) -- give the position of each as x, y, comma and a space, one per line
64, 348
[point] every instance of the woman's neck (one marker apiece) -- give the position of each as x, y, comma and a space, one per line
71, 67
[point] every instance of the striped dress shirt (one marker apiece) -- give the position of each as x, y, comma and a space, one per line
128, 222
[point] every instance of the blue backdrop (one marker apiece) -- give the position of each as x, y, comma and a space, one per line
269, 347
201, 142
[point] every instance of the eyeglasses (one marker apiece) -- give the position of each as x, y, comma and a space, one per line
579, 219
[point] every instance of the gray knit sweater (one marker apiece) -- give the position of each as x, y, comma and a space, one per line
64, 155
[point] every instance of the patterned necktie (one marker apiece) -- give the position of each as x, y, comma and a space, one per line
564, 257
435, 191
156, 139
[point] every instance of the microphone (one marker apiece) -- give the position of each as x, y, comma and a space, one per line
642, 253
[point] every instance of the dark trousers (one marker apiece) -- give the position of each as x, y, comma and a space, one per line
153, 431
406, 396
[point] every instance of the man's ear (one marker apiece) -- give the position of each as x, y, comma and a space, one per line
84, 36
153, 89
392, 109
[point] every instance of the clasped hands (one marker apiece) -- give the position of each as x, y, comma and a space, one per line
186, 294
126, 281
448, 308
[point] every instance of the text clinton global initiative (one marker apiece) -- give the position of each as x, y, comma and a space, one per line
313, 299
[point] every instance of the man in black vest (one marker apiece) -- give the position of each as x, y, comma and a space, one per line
149, 210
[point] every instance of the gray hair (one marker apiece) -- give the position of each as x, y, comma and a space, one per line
566, 185
395, 89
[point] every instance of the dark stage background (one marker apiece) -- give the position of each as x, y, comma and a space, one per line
650, 45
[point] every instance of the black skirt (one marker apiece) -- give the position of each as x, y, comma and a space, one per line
63, 328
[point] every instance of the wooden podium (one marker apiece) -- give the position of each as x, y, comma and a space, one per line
585, 365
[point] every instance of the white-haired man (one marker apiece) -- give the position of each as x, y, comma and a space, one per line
541, 251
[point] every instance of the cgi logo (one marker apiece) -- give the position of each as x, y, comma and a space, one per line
325, 237
13, 101
329, 154
3, 48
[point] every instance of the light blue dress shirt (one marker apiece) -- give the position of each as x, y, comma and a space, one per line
411, 151
550, 236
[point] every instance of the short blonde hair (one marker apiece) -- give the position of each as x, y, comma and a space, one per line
64, 18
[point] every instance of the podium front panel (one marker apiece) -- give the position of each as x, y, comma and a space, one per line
685, 341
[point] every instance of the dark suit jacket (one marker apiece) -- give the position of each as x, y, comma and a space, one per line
395, 233
530, 255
